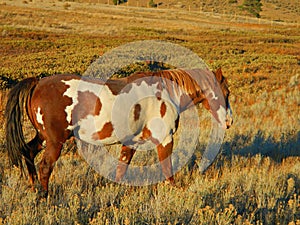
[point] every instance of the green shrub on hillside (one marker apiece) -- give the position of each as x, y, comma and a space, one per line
118, 2
253, 7
152, 4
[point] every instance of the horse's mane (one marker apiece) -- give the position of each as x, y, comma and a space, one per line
180, 77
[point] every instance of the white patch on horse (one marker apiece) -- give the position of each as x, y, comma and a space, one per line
214, 97
221, 114
39, 117
76, 86
122, 111
144, 94
90, 125
158, 128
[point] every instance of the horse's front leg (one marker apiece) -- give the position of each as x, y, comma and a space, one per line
164, 155
124, 160
51, 155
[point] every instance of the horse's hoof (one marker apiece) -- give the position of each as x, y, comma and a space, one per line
42, 194
170, 182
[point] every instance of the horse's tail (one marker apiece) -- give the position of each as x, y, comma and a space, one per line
16, 103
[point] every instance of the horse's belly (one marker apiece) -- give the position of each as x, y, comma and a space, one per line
95, 130
152, 126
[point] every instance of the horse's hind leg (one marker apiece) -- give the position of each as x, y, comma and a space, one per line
35, 146
164, 155
51, 154
125, 158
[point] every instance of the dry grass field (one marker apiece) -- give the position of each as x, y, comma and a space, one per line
255, 179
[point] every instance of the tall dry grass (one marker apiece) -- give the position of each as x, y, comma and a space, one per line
255, 180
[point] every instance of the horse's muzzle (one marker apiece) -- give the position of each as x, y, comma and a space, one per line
229, 119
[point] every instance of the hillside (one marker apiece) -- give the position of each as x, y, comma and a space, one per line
277, 10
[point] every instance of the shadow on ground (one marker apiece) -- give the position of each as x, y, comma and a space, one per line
286, 146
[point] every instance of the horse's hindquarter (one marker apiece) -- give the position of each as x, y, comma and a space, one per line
47, 107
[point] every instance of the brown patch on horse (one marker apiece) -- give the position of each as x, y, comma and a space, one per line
163, 109
124, 160
88, 104
116, 86
98, 107
158, 95
164, 156
223, 83
126, 154
106, 132
137, 111
206, 104
219, 75
146, 133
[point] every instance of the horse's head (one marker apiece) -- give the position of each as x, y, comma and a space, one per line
225, 91
224, 86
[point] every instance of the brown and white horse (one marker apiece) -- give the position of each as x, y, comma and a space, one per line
129, 111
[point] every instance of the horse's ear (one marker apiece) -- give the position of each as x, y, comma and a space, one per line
219, 74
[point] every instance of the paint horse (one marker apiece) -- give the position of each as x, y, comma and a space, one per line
102, 113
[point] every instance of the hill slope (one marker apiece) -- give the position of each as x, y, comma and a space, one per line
279, 10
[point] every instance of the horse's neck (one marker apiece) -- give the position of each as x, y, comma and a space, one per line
187, 89
189, 100
182, 91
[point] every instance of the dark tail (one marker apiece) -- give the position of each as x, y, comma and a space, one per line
16, 103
